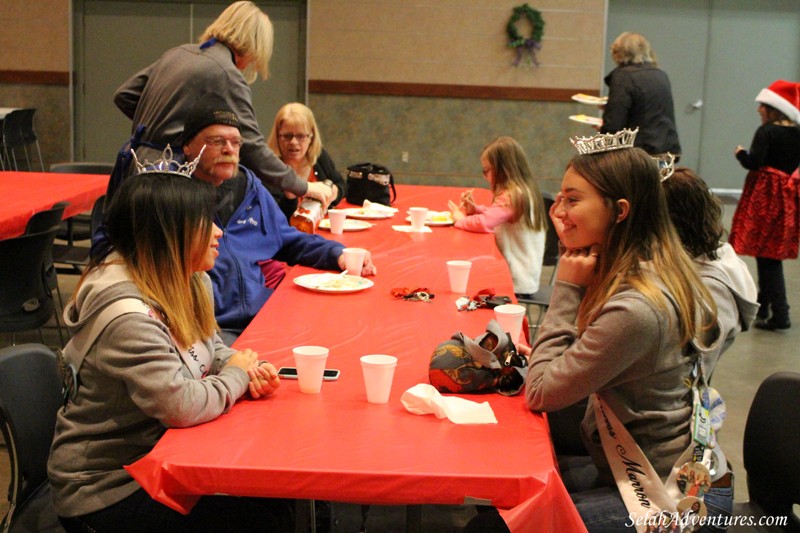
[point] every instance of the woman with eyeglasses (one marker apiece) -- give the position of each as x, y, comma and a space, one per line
295, 139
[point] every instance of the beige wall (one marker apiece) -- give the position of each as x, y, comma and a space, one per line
460, 42
34, 69
413, 45
35, 35
448, 43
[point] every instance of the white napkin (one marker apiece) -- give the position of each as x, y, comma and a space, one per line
378, 208
423, 399
409, 229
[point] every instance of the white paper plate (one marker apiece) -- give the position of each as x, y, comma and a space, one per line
360, 212
586, 119
589, 99
329, 282
349, 225
429, 221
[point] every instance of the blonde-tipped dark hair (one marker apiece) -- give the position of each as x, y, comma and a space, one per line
159, 223
644, 237
513, 174
246, 30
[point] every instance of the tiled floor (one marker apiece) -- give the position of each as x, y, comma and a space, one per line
754, 356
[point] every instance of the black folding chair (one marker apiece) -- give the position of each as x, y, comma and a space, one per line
30, 396
26, 301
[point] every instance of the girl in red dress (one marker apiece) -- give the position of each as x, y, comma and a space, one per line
766, 223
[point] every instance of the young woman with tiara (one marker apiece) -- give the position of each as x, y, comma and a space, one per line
145, 356
627, 310
516, 215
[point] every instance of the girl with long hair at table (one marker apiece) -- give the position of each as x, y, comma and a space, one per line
145, 356
627, 311
516, 216
766, 224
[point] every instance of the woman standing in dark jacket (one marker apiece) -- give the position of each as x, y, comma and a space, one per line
766, 223
640, 96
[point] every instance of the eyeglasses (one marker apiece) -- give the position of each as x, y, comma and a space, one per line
219, 142
301, 137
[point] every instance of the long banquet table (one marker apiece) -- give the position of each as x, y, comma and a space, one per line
24, 193
336, 446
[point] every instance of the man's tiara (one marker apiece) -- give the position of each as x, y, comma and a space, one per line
167, 165
604, 142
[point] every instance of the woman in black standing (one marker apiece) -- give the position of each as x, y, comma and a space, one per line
640, 96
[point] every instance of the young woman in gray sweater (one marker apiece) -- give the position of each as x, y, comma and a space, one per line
627, 309
147, 357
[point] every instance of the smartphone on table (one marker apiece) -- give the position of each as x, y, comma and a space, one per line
290, 372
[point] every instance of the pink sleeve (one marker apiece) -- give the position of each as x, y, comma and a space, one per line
488, 218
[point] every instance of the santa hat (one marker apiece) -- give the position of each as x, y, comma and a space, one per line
784, 96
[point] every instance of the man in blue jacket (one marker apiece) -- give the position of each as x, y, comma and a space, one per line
255, 229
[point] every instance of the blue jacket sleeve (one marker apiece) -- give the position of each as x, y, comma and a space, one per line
298, 248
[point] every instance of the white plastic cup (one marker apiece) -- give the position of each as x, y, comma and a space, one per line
510, 318
336, 217
418, 215
310, 363
459, 275
378, 373
354, 260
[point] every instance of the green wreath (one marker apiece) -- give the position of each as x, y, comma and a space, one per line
520, 43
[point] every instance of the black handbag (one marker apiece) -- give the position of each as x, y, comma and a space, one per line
369, 181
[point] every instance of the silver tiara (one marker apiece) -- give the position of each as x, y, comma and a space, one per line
167, 165
666, 165
604, 142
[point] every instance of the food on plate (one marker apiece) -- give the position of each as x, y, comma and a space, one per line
589, 99
440, 216
586, 119
341, 283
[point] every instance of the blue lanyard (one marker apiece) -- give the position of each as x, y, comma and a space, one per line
209, 43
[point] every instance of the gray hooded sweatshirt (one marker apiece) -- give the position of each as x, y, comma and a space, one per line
735, 294
631, 353
133, 386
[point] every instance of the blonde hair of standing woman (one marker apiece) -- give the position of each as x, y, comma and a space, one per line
248, 32
632, 49
513, 174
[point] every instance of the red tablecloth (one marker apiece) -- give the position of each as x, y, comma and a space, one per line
24, 193
336, 446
